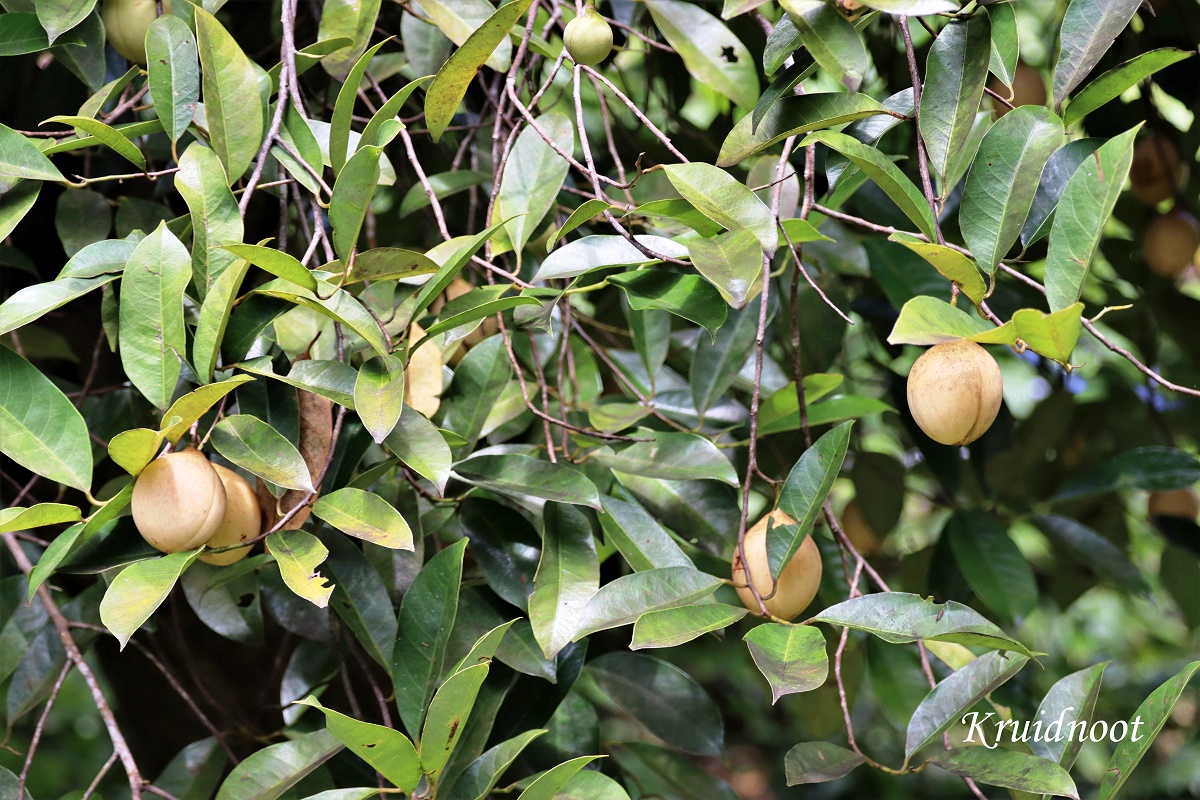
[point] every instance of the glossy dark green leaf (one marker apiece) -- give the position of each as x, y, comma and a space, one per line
831, 40
624, 600
260, 449
172, 61
270, 772
1154, 712
640, 539
670, 627
1093, 551
594, 252
954, 696
686, 296
1088, 30
1003, 181
1153, 469
992, 563
485, 772
231, 100
791, 657
955, 72
547, 785
1009, 769
1070, 699
21, 32
1005, 45
791, 116
667, 774
716, 364
343, 109
673, 456
818, 762
662, 697
426, 620
804, 493
568, 575
33, 302
526, 475
1113, 83
351, 199
732, 262
902, 618
390, 752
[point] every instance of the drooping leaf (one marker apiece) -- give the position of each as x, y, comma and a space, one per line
299, 553
791, 657
1009, 769
992, 563
686, 296
955, 72
379, 395
818, 762
1153, 469
701, 41
390, 752
568, 575
732, 262
804, 493
926, 320
953, 265
1093, 551
231, 100
171, 59
260, 449
791, 116
629, 597
526, 475
1088, 30
1070, 699
365, 516
673, 456
594, 252
719, 196
138, 590
270, 772
670, 627
831, 40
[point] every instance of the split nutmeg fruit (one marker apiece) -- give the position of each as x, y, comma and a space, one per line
954, 392
798, 581
588, 38
126, 23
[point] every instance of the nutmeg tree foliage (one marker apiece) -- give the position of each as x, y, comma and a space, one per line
396, 400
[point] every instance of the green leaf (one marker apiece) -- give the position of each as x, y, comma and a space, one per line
19, 158
16, 202
926, 320
438, 283
489, 308
532, 178
624, 600
831, 40
202, 183
1004, 179
547, 785
879, 168
1094, 551
478, 780
1071, 699
791, 657
450, 84
21, 32
153, 339
417, 442
517, 474
299, 553
276, 262
16, 518
232, 104
791, 116
458, 19
426, 618
701, 40
330, 301
1152, 469
132, 450
663, 698
138, 590
686, 296
258, 448
343, 109
901, 618
1113, 83
719, 196
387, 263
716, 364
387, 112
82, 217
107, 135
1088, 30
171, 58
1009, 769
594, 252
992, 563
214, 319
953, 265
33, 302
568, 575
351, 199
365, 516
955, 72
1154, 712
448, 712
388, 751
1051, 335
672, 456
270, 772
350, 22
954, 696
444, 184
379, 395
642, 542
1005, 49
912, 8
732, 262
586, 211
590, 784
818, 762
804, 492
479, 381
671, 627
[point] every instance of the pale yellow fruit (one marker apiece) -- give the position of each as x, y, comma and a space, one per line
241, 521
954, 392
126, 23
423, 375
178, 501
1170, 243
798, 581
855, 526
1155, 170
1176, 503
588, 38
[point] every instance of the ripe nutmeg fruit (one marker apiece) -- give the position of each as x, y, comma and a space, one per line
588, 38
1181, 503
178, 501
126, 23
798, 581
241, 521
954, 392
1170, 243
1156, 170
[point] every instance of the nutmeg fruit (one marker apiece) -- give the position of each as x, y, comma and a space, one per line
798, 581
954, 392
1182, 503
1155, 170
1170, 243
858, 530
126, 23
178, 501
589, 38
241, 521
